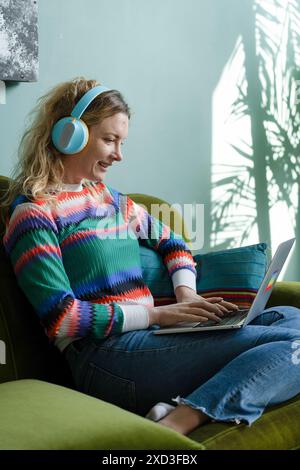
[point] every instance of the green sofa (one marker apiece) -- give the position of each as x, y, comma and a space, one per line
40, 409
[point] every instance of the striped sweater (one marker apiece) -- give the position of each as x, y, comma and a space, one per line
78, 261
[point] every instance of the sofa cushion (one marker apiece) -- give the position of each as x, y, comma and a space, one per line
277, 429
39, 415
234, 274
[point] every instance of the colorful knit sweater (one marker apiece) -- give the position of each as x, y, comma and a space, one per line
79, 264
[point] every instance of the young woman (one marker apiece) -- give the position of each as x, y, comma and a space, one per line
74, 245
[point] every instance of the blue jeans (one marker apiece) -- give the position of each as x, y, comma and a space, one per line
230, 375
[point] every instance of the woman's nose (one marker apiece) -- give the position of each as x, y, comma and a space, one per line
118, 153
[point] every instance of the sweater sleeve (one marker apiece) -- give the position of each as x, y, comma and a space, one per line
152, 233
31, 242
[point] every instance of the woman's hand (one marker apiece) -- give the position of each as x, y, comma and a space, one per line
185, 294
198, 310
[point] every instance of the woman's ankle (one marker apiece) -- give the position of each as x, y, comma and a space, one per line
184, 419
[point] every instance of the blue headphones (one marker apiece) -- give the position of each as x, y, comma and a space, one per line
70, 134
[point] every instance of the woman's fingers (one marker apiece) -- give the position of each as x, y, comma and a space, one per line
204, 313
223, 303
232, 308
229, 305
208, 306
194, 311
193, 318
214, 299
224, 309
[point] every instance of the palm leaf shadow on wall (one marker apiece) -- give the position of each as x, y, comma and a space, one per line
18, 40
266, 170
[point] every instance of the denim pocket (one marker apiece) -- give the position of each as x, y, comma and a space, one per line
109, 387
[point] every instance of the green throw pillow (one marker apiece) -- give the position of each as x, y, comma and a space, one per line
234, 274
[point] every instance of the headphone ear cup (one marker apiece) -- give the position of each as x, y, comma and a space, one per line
70, 135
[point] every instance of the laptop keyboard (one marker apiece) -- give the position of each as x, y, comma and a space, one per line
232, 320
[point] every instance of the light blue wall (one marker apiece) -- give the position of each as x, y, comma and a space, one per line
165, 56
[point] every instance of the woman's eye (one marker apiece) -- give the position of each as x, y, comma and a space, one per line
110, 141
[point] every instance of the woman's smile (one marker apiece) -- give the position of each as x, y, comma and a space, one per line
103, 166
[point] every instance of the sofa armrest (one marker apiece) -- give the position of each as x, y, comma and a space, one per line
285, 293
38, 415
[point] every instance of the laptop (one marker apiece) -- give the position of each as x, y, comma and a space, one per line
242, 316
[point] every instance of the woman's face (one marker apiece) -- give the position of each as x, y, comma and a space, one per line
103, 148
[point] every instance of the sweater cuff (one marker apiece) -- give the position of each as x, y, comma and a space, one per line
184, 277
136, 317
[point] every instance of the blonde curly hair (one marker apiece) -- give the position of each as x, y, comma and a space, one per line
39, 165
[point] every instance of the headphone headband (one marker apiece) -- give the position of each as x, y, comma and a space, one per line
87, 98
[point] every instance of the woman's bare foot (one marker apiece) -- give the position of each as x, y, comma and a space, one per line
184, 419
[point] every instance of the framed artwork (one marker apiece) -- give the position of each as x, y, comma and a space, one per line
18, 40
